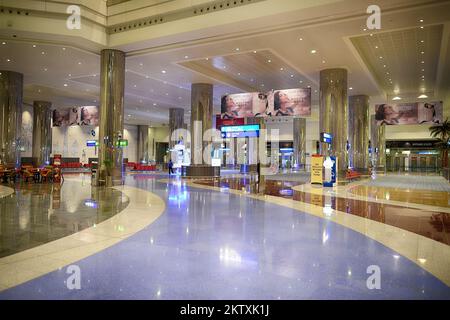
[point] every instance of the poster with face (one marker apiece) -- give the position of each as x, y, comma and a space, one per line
88, 116
74, 116
61, 118
409, 113
238, 105
430, 112
291, 102
261, 105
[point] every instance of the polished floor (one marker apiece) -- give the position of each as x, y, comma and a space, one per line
38, 213
217, 244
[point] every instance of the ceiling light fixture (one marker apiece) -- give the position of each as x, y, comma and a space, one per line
42, 52
186, 57
351, 88
421, 20
163, 71
64, 48
313, 51
269, 61
3, 42
422, 96
34, 46
396, 98
8, 60
65, 84
301, 39
237, 49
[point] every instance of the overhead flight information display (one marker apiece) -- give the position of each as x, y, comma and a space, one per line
242, 131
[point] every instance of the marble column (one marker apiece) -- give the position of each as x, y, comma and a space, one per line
299, 153
378, 144
11, 94
358, 132
334, 114
112, 80
42, 132
143, 156
151, 144
176, 121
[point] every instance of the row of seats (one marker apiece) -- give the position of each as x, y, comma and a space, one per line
140, 167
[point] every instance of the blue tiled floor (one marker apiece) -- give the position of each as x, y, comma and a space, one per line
211, 245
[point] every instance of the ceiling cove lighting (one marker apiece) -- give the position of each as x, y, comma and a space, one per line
396, 98
422, 96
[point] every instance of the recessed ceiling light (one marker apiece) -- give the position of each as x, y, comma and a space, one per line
396, 98
371, 34
64, 48
422, 41
146, 77
301, 39
292, 75
281, 69
384, 66
422, 96
351, 88
65, 84
309, 86
254, 51
381, 57
154, 104
301, 81
45, 69
207, 59
39, 90
186, 57
237, 49
34, 46
423, 69
239, 73
422, 61
421, 20
323, 61
79, 62
364, 29
8, 60
269, 61
141, 64
422, 52
163, 71
313, 51
42, 52
376, 47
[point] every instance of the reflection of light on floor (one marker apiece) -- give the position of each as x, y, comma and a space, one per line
324, 236
327, 210
90, 203
230, 256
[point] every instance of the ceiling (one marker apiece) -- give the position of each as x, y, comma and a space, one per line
158, 78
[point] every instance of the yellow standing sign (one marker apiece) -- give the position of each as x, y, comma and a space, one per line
316, 169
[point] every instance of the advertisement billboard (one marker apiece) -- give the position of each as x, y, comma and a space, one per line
409, 113
289, 102
76, 116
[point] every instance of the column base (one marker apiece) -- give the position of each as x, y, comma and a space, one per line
200, 171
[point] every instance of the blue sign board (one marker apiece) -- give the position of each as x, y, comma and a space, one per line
243, 131
91, 143
326, 137
330, 172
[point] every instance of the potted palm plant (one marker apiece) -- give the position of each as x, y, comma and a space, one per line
442, 132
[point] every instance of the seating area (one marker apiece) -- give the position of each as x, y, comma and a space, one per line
28, 173
351, 175
140, 167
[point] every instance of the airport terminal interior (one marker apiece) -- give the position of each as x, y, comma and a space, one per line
224, 149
